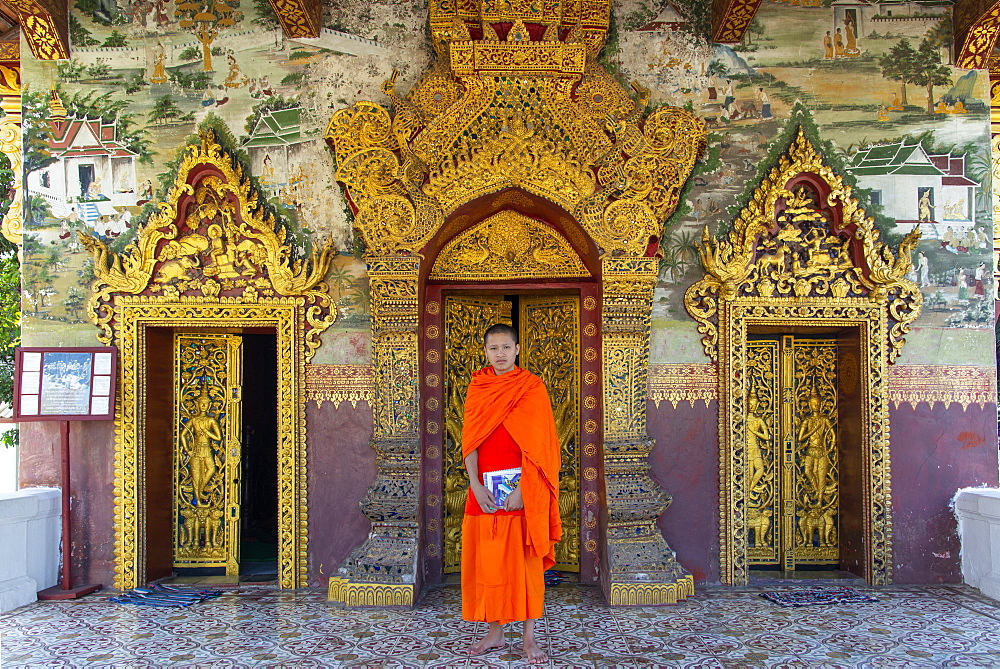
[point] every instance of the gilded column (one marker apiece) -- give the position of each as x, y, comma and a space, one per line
10, 140
382, 570
641, 569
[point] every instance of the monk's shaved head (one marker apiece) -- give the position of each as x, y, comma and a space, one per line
500, 328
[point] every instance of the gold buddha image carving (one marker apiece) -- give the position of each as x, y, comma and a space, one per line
201, 437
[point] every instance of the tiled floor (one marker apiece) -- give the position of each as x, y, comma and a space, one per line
253, 625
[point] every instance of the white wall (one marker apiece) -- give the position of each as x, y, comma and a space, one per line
978, 512
30, 526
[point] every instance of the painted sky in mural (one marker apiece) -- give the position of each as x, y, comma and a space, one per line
145, 73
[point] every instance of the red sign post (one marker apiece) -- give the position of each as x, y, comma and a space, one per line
65, 384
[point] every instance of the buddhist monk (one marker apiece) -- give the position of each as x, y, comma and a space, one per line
505, 551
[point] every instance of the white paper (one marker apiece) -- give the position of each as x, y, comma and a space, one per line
30, 383
102, 363
29, 405
102, 385
100, 406
31, 361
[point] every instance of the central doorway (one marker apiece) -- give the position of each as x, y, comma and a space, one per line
549, 328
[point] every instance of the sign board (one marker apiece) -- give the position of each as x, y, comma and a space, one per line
65, 383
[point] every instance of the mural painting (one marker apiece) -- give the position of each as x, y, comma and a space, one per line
868, 82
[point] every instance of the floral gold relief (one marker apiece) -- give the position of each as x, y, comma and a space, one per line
209, 258
801, 254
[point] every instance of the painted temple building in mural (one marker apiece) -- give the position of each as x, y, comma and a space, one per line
753, 263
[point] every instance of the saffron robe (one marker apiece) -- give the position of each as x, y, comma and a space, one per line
504, 557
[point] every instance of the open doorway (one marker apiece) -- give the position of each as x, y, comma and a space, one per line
259, 494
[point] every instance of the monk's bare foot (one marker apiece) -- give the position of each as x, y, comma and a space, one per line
493, 639
534, 653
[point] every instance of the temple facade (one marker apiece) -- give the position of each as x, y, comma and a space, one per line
751, 257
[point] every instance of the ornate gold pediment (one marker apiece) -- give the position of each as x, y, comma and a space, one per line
508, 245
519, 101
803, 236
211, 241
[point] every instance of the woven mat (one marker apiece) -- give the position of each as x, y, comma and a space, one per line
820, 596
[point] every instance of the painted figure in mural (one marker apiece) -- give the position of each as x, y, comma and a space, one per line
963, 285
729, 97
267, 172
980, 275
235, 78
713, 89
757, 432
505, 551
923, 270
159, 69
851, 33
897, 104
200, 432
765, 104
827, 45
838, 44
816, 438
924, 207
883, 114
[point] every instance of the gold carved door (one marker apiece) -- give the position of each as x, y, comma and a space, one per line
466, 318
792, 455
207, 436
550, 348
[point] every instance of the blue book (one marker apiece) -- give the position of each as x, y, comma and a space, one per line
502, 483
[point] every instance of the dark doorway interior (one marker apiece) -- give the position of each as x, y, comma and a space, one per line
259, 503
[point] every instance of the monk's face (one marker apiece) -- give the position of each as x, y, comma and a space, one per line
501, 351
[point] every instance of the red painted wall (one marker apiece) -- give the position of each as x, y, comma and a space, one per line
685, 462
341, 467
92, 489
934, 453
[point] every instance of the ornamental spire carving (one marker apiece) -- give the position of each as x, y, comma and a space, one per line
803, 236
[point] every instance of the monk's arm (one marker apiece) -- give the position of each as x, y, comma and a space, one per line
483, 496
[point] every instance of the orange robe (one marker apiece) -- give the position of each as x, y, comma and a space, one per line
504, 556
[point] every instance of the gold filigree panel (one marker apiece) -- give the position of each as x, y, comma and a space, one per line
948, 384
466, 319
550, 348
508, 245
10, 145
763, 476
208, 385
683, 382
340, 383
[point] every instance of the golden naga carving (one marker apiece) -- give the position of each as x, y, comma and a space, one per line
794, 241
510, 245
211, 241
520, 103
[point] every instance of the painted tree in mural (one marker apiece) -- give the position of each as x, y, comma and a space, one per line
929, 72
207, 20
900, 65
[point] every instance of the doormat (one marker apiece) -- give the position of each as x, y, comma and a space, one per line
821, 596
169, 596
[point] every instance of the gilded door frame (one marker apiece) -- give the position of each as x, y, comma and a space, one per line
147, 285
134, 316
592, 491
735, 319
803, 253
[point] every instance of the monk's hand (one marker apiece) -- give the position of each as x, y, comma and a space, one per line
484, 497
514, 500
